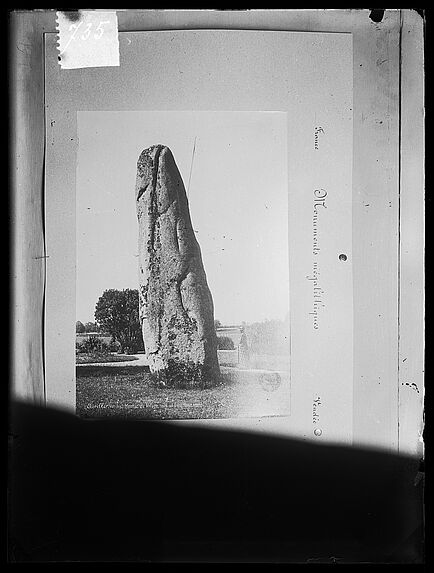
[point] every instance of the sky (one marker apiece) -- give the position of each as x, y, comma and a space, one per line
237, 187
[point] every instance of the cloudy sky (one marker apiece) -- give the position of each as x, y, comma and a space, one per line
238, 196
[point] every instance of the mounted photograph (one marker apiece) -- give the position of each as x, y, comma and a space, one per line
182, 265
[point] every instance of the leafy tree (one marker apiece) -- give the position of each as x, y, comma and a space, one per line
79, 327
117, 312
90, 327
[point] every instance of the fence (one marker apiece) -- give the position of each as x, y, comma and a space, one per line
225, 357
82, 336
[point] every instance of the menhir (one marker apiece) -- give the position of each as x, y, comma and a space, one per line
176, 307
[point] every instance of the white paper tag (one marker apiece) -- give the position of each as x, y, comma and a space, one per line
87, 39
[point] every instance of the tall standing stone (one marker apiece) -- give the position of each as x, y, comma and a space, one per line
176, 307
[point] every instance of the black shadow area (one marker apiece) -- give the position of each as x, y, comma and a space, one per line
149, 491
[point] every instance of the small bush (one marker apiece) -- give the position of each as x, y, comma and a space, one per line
225, 343
93, 345
114, 346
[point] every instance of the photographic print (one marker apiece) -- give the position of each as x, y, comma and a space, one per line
199, 228
182, 265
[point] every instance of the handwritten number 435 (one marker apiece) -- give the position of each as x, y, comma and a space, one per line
86, 32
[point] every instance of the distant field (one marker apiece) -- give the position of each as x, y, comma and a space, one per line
128, 392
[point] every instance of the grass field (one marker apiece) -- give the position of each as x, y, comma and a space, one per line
129, 392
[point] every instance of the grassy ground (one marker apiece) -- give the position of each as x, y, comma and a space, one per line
95, 357
129, 392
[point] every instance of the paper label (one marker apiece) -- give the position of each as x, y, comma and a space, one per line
87, 39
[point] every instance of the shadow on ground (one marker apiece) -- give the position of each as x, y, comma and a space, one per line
148, 491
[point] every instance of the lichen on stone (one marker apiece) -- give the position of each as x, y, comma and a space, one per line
175, 297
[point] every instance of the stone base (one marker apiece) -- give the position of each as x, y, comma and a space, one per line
186, 375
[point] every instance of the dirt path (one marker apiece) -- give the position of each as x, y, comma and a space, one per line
141, 361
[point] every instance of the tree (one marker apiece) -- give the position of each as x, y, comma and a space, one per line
117, 312
79, 327
90, 327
